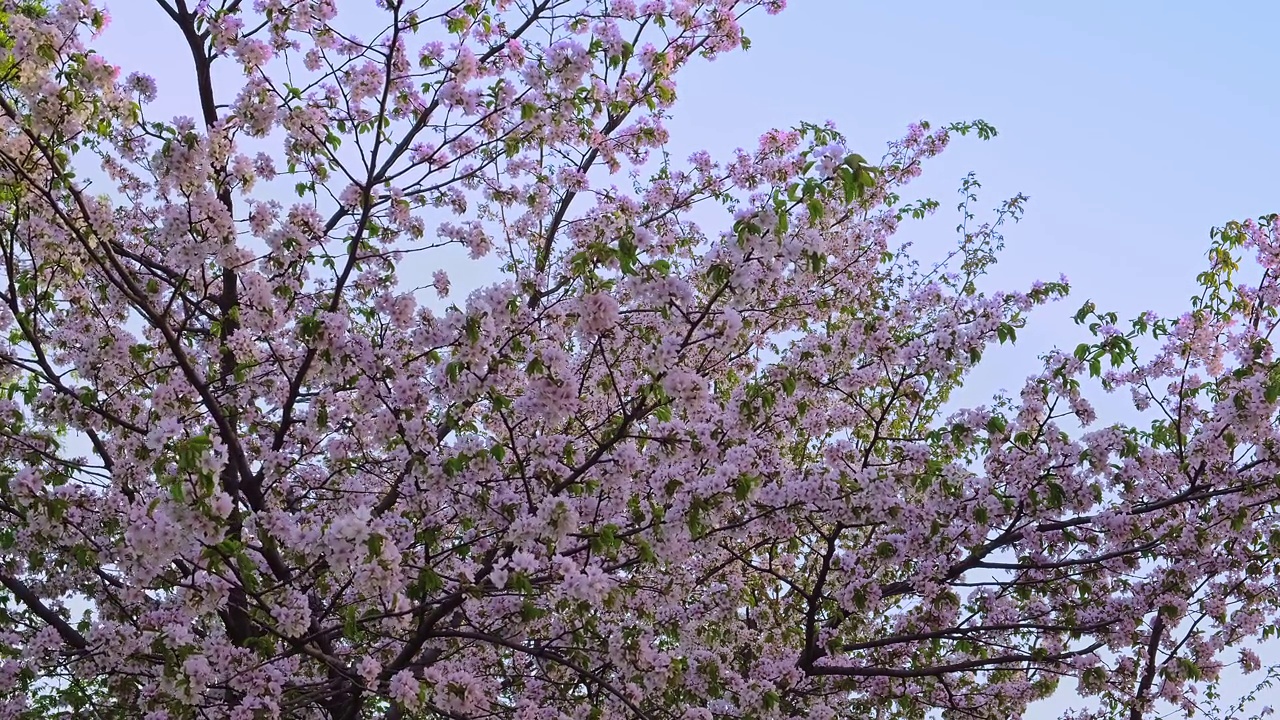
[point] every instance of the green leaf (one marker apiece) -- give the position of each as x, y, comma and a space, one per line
628, 254
789, 385
815, 209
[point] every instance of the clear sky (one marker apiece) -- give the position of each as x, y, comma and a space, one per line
1133, 126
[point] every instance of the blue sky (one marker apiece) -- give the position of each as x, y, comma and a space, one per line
1134, 127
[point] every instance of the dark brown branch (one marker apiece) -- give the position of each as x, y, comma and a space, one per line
1149, 674
28, 598
993, 663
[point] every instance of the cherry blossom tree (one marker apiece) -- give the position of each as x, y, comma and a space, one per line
691, 455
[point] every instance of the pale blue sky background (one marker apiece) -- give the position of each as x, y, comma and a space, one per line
1133, 126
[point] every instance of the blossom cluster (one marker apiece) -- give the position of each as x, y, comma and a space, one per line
653, 470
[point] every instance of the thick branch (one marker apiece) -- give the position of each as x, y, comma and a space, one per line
28, 598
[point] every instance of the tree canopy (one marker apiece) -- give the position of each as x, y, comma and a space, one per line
692, 455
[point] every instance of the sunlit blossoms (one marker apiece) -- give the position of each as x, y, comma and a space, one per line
691, 452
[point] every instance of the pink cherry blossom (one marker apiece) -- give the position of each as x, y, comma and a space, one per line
692, 453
